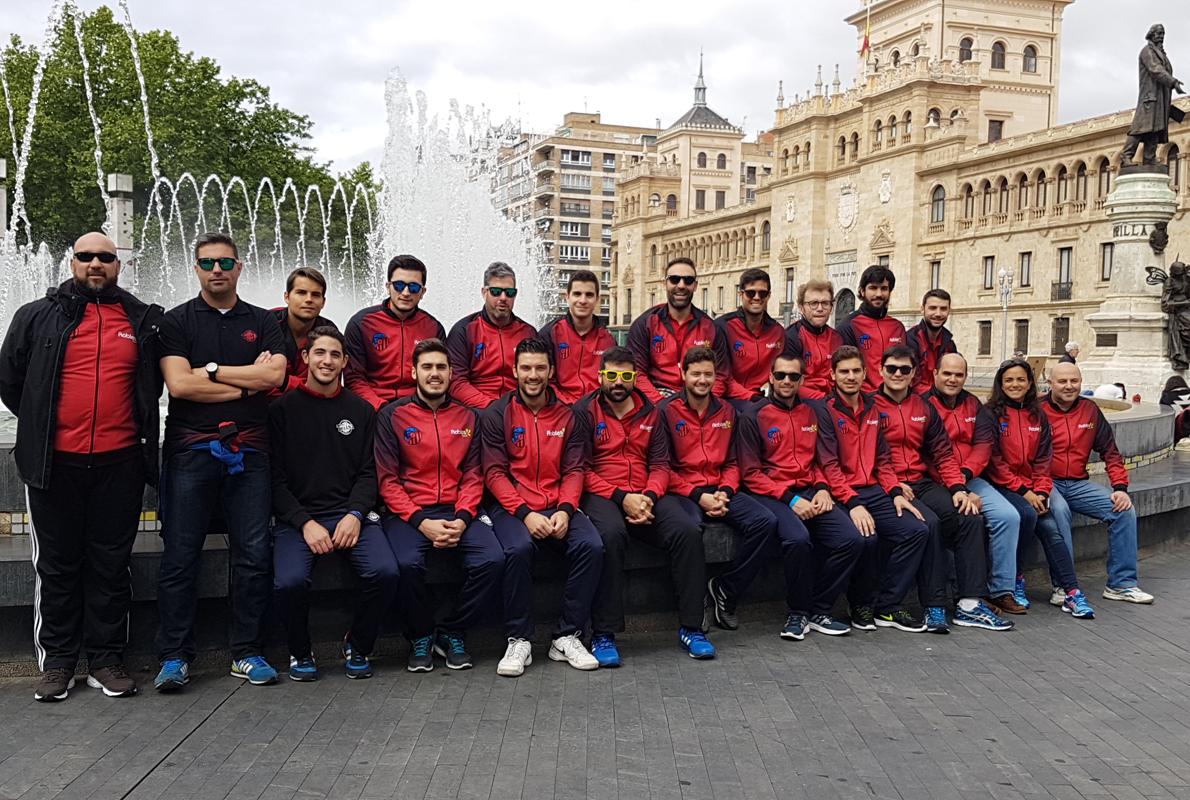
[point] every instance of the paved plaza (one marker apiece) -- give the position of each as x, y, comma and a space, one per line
1057, 709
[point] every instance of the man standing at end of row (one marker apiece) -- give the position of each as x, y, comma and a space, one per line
578, 340
930, 339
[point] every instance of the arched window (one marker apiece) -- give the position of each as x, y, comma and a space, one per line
878, 134
1003, 189
806, 154
1061, 182
797, 158
766, 237
785, 160
1104, 177
965, 49
938, 205
892, 130
934, 117
955, 113
702, 160
1022, 192
1042, 189
653, 259
671, 203
721, 161
654, 200
968, 202
896, 58
999, 55
907, 124
854, 146
1029, 62
1080, 182
916, 51
1175, 162
986, 191
842, 148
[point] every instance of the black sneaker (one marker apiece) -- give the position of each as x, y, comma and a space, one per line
421, 654
55, 685
450, 646
862, 618
721, 607
902, 620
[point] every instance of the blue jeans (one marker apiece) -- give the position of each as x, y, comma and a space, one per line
1004, 528
1057, 555
1094, 500
193, 483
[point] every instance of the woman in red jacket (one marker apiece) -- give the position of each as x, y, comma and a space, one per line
1020, 470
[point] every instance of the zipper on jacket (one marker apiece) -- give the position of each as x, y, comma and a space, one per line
95, 399
437, 440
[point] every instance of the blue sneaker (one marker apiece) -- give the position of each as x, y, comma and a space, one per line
795, 627
1076, 605
421, 654
1018, 593
825, 623
936, 620
982, 616
255, 670
303, 670
696, 643
174, 674
603, 647
355, 664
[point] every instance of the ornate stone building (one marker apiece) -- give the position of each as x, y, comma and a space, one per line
943, 161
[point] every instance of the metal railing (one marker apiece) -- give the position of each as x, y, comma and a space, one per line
1061, 291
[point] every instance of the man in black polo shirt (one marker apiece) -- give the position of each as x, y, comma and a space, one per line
220, 357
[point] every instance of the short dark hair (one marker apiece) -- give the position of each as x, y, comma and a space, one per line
582, 276
215, 237
899, 351
753, 275
941, 294
532, 345
616, 355
696, 355
411, 263
325, 331
877, 274
309, 273
681, 260
789, 355
431, 345
843, 353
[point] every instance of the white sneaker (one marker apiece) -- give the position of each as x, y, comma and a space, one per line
569, 648
1130, 594
1058, 597
518, 656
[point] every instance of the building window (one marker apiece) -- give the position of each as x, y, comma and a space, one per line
721, 161
884, 261
989, 272
999, 53
907, 124
986, 191
653, 259
968, 202
719, 298
1020, 341
1080, 183
576, 158
654, 200
1065, 263
628, 307
1025, 269
1104, 177
750, 175
878, 134
720, 199
574, 254
605, 258
892, 130
609, 161
766, 237
576, 183
995, 130
985, 337
652, 298
609, 186
1059, 335
1022, 193
1042, 189
854, 146
1004, 195
935, 274
790, 289
574, 230
705, 298
702, 161
965, 49
896, 58
1029, 64
1062, 182
671, 204
1174, 163
700, 200
607, 233
842, 148
1107, 255
938, 205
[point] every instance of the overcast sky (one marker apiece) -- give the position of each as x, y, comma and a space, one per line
633, 61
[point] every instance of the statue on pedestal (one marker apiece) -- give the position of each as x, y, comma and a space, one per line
1154, 107
1175, 301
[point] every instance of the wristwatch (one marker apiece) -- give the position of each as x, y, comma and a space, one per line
213, 371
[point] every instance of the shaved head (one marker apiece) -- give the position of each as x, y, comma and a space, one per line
87, 265
953, 361
94, 241
1066, 384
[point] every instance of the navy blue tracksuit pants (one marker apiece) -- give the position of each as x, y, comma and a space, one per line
888, 565
483, 566
584, 552
949, 531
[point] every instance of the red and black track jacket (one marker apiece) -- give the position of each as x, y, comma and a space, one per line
380, 351
751, 354
533, 461
296, 368
918, 440
778, 448
928, 354
427, 457
873, 331
657, 346
852, 450
1075, 434
576, 357
971, 429
1023, 451
628, 455
815, 346
482, 358
702, 448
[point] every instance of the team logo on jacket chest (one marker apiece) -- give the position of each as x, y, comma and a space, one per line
884, 421
345, 427
601, 433
379, 341
563, 351
737, 347
479, 348
774, 436
412, 435
681, 428
865, 341
518, 436
658, 344
248, 336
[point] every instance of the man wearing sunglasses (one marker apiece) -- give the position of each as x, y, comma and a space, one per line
221, 357
662, 335
381, 338
930, 338
78, 369
305, 295
870, 328
812, 338
753, 339
482, 344
578, 339
929, 477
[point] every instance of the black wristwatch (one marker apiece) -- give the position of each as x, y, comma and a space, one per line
213, 371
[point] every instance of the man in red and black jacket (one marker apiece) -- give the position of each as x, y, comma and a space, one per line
431, 481
624, 487
813, 340
704, 483
305, 296
753, 339
857, 464
534, 455
381, 338
78, 369
930, 339
578, 340
1077, 427
481, 345
778, 452
920, 450
661, 336
870, 328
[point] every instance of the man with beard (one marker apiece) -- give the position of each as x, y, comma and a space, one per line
327, 506
381, 338
753, 339
78, 369
482, 344
305, 296
661, 336
578, 339
869, 328
812, 340
930, 339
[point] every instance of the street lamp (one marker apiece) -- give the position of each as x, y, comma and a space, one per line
1005, 277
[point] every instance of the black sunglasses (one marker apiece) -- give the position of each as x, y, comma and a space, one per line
86, 257
689, 280
787, 376
496, 291
227, 263
756, 294
898, 369
413, 286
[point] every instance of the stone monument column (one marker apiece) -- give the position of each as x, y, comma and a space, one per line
119, 214
1130, 327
